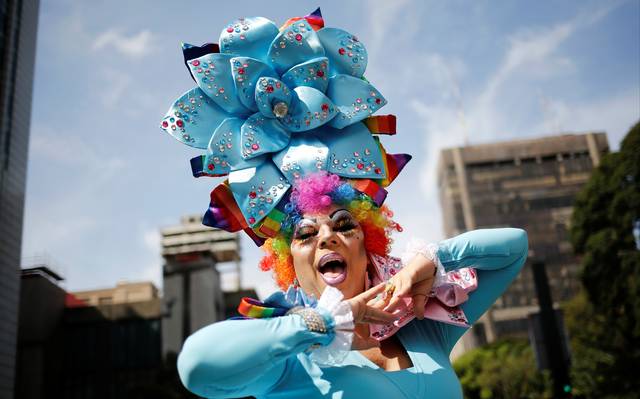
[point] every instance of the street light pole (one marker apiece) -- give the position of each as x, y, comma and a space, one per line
551, 334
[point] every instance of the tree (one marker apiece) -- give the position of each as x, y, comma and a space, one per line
604, 323
503, 369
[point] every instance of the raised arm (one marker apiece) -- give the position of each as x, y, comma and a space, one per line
496, 254
249, 357
238, 358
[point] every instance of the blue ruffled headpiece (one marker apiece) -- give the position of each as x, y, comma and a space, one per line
272, 105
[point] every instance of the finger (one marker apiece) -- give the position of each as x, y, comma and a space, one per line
389, 289
372, 292
419, 302
377, 302
376, 315
373, 319
393, 305
403, 288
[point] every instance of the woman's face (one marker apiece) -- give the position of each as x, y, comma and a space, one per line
328, 249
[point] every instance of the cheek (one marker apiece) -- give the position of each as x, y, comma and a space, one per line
355, 244
355, 240
302, 260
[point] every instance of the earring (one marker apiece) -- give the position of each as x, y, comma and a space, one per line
296, 284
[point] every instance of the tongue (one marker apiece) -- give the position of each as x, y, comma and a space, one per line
332, 271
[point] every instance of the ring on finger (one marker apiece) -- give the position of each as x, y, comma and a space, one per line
389, 289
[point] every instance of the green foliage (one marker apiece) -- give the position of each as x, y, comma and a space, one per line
604, 322
590, 361
602, 224
503, 369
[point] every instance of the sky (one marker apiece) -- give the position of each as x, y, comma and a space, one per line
103, 179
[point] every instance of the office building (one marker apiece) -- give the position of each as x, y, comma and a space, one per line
123, 292
70, 349
39, 349
18, 30
529, 184
192, 293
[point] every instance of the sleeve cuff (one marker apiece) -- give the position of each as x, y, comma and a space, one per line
339, 320
428, 250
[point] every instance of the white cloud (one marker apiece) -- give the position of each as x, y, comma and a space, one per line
120, 88
444, 74
535, 49
532, 56
116, 85
151, 254
383, 17
615, 115
53, 221
135, 46
70, 150
151, 239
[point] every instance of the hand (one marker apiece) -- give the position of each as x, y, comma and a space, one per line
415, 281
366, 309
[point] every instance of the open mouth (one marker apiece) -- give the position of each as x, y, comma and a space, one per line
333, 268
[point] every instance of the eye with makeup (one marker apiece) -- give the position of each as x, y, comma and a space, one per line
304, 233
343, 222
305, 230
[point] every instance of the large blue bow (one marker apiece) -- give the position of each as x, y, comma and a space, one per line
273, 105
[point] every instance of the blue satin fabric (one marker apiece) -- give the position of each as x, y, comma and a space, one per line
267, 358
304, 154
313, 73
317, 75
295, 44
249, 37
257, 190
346, 53
246, 71
192, 118
354, 152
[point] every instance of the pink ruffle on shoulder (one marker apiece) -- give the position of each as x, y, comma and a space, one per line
443, 304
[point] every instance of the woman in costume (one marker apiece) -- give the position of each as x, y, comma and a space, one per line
286, 114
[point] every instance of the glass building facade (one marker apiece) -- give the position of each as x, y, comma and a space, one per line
18, 29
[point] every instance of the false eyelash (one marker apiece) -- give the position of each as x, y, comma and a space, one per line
344, 224
348, 233
305, 239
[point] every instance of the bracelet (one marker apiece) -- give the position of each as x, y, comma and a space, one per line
314, 321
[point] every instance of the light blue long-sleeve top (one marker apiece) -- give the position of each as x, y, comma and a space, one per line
266, 358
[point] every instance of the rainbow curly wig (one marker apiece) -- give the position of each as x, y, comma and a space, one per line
316, 193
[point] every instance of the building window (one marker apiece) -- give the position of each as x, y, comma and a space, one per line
105, 300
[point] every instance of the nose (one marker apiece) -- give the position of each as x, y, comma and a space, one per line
327, 237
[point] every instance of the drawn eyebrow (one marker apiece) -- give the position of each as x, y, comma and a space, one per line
305, 221
338, 210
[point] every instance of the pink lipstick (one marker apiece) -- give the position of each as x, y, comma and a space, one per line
333, 268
